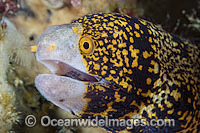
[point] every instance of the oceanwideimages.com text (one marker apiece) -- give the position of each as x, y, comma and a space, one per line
46, 121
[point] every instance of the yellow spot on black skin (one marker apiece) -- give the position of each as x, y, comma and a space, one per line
115, 35
104, 34
137, 26
150, 32
140, 67
189, 100
101, 88
122, 45
113, 72
127, 29
131, 40
103, 72
179, 113
143, 22
114, 42
137, 34
150, 40
134, 54
149, 81
96, 66
170, 111
118, 99
146, 54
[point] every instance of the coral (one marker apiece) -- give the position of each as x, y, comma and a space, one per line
76, 3
53, 3
60, 3
7, 6
8, 114
193, 19
3, 26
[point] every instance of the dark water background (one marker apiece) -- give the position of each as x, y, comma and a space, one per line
172, 15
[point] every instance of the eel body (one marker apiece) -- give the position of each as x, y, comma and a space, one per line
121, 67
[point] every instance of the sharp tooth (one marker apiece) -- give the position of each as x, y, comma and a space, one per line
63, 69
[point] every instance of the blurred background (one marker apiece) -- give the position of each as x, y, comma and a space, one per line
22, 22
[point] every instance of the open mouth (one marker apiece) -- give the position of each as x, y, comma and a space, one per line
62, 69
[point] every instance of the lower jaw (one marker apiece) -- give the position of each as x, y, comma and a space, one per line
65, 92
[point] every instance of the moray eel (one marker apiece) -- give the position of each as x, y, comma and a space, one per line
121, 67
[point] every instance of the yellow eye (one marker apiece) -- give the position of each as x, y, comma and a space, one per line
86, 45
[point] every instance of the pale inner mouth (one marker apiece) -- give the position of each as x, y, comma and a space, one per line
63, 69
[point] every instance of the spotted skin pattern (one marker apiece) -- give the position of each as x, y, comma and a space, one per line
152, 74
